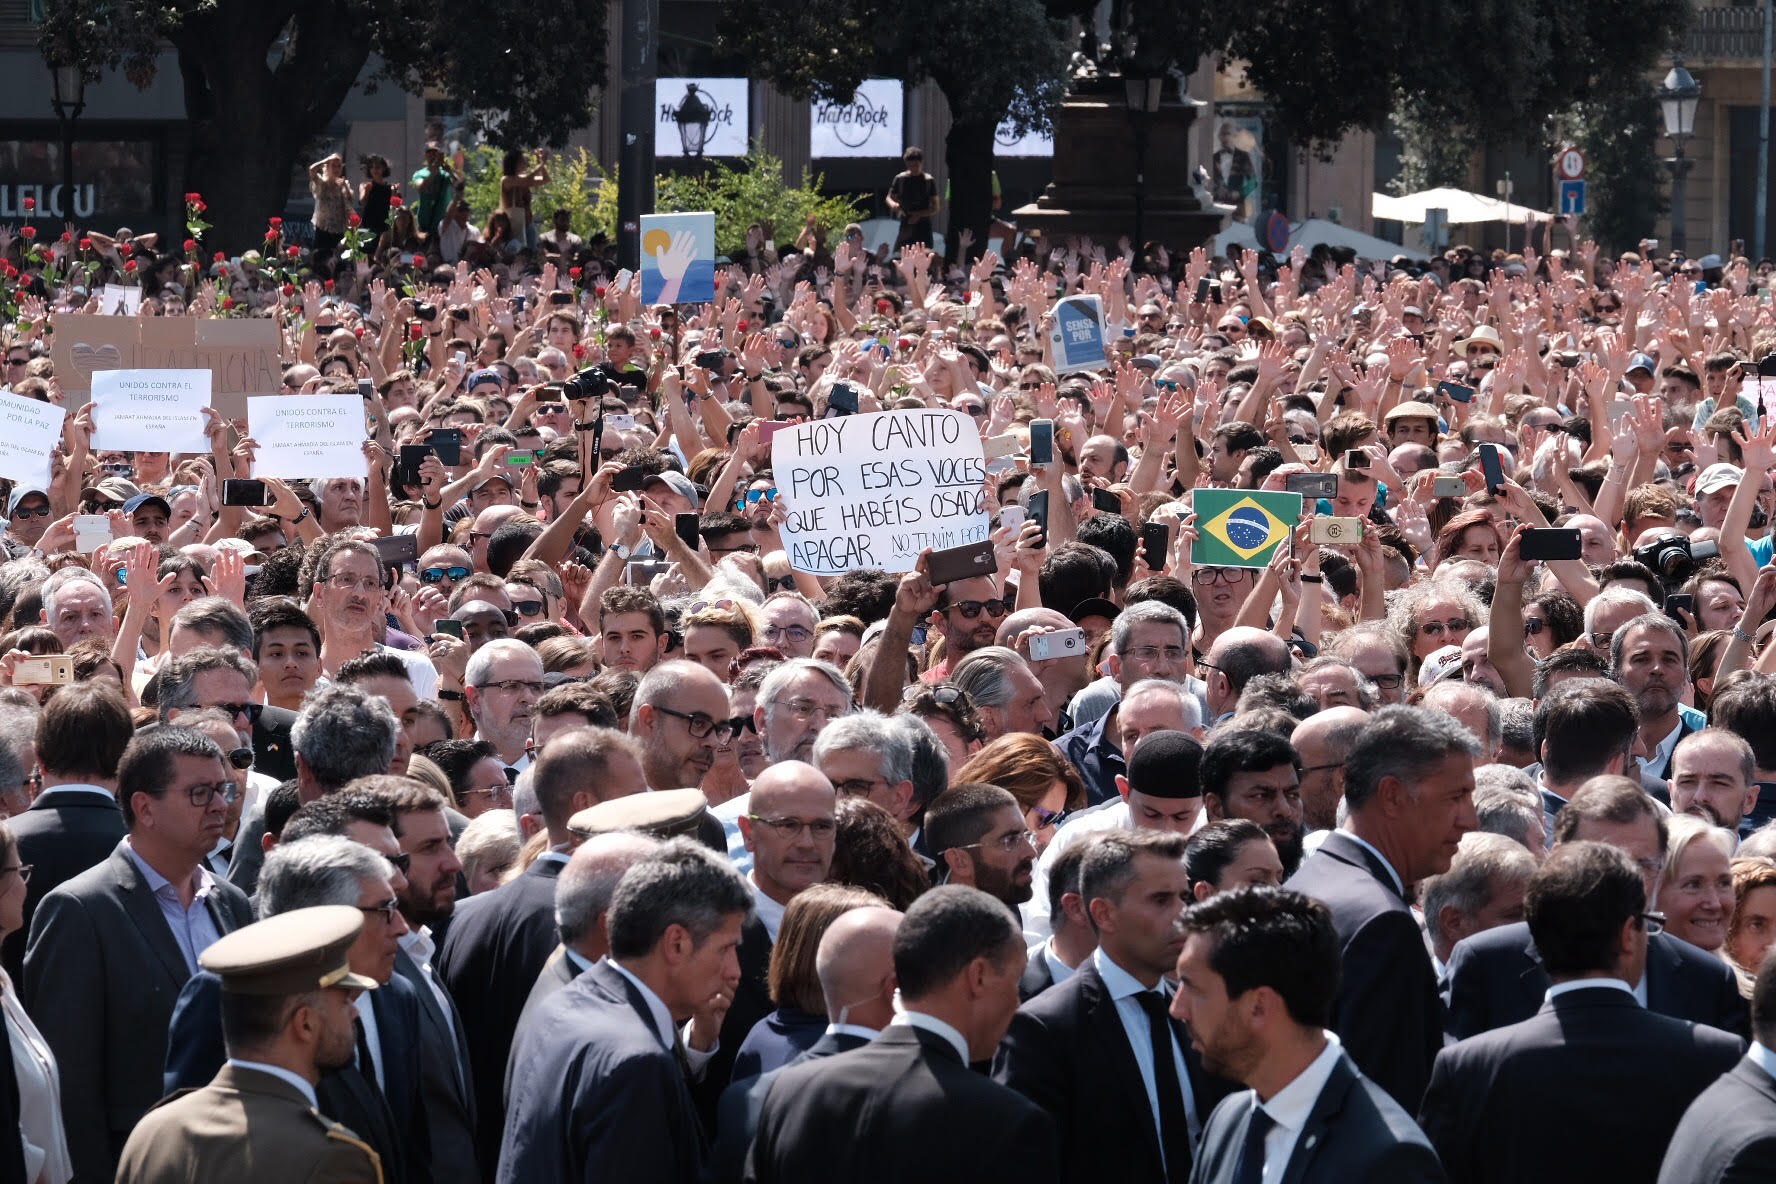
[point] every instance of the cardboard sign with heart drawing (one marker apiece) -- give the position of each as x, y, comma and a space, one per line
242, 354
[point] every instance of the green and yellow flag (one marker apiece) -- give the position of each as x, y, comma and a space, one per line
1241, 527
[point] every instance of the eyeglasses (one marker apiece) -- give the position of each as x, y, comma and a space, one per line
241, 758
944, 695
23, 869
1321, 768
343, 582
511, 685
437, 575
1152, 653
754, 496
1207, 576
387, 908
740, 549
1533, 625
39, 512
1049, 817
1166, 384
697, 606
550, 408
1007, 842
1601, 640
743, 723
973, 409
235, 710
789, 828
1387, 682
403, 861
806, 709
794, 633
528, 608
779, 583
1029, 386
1438, 628
203, 795
496, 793
701, 726
1654, 922
970, 609
857, 787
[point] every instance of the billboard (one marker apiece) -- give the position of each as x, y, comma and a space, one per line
729, 126
870, 125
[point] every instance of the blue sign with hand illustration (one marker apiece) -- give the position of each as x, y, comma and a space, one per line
677, 258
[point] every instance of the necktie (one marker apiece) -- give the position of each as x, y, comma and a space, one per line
1251, 1161
683, 1057
1174, 1127
366, 1062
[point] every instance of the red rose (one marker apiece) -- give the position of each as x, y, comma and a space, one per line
289, 289
601, 291
415, 331
419, 261
329, 286
573, 273
276, 223
86, 244
190, 245
654, 331
219, 257
227, 302
884, 306
903, 343
193, 199
27, 232
129, 264
395, 200
579, 351
30, 203
741, 326
359, 330
201, 207
66, 237
294, 251
353, 219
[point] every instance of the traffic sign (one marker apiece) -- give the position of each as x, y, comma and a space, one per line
1572, 197
1570, 164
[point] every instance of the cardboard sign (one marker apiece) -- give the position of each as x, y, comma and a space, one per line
677, 258
241, 354
29, 433
1241, 527
150, 410
308, 436
1078, 334
875, 490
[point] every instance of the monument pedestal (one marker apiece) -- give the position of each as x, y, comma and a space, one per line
1093, 191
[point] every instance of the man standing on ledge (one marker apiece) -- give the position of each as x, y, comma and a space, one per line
912, 198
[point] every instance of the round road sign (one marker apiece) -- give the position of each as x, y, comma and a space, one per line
1570, 164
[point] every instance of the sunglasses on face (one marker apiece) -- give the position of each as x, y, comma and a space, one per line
779, 583
971, 609
27, 512
528, 608
436, 575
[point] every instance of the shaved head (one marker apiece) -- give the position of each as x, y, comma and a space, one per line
855, 964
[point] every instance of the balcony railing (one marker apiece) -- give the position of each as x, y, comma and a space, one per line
1725, 34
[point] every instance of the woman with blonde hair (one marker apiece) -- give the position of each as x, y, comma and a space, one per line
1696, 893
1034, 772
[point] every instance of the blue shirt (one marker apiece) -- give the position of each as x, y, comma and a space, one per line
193, 928
1096, 757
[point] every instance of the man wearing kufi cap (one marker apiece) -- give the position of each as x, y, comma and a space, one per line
288, 996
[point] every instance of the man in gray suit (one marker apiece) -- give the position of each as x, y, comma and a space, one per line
1256, 983
111, 949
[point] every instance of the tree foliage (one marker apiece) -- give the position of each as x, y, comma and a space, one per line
752, 190
577, 184
1619, 136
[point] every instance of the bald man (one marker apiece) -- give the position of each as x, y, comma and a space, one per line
1061, 677
855, 962
1324, 741
1239, 655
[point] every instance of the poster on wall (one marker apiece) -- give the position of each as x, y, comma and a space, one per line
869, 125
1236, 167
727, 100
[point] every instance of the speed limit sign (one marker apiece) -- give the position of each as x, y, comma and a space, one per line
1570, 164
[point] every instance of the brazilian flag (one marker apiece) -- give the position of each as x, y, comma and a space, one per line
1241, 527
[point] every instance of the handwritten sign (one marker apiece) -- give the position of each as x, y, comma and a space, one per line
872, 491
308, 436
241, 353
29, 433
1078, 334
150, 410
121, 300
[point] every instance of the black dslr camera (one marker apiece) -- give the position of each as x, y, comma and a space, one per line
1674, 557
590, 383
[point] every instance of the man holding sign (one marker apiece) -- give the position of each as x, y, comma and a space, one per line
308, 436
150, 410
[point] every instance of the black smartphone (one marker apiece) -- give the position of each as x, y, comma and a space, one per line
1039, 511
1356, 459
366, 389
1680, 600
842, 399
244, 493
324, 329
1313, 484
960, 563
685, 526
1042, 441
447, 443
710, 359
1202, 290
628, 480
1495, 475
1551, 542
446, 625
1456, 392
407, 462
425, 311
1214, 292
561, 298
1156, 543
396, 549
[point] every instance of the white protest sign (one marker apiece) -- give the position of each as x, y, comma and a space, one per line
308, 436
875, 490
29, 433
120, 300
150, 410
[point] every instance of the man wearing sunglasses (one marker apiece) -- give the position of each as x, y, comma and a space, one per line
27, 517
967, 616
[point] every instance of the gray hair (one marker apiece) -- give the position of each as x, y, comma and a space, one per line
60, 579
1480, 862
1404, 743
345, 733
1517, 724
1367, 694
1402, 610
784, 673
869, 731
178, 678
215, 615
1733, 740
683, 883
1435, 698
491, 839
318, 870
1648, 620
1506, 812
1193, 716
1615, 596
985, 674
1144, 612
481, 664
662, 684
589, 881
931, 760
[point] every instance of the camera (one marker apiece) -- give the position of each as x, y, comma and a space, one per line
424, 311
1674, 557
590, 383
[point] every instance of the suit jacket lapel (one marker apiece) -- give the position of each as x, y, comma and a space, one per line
1125, 1070
1345, 849
446, 1030
144, 911
1324, 1114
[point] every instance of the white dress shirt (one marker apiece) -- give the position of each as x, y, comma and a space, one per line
770, 913
418, 944
1123, 988
1058, 970
857, 1030
1580, 984
1289, 1107
282, 1074
937, 1027
1399, 884
698, 1060
1763, 1057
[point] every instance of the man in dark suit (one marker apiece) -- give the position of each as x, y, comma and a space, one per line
1497, 977
74, 824
1409, 787
604, 1094
273, 752
379, 1095
1256, 982
1729, 1131
855, 962
906, 1106
498, 941
106, 960
1098, 1052
1617, 1075
1071, 937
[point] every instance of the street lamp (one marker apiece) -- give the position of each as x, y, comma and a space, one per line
693, 116
69, 100
1678, 99
1142, 96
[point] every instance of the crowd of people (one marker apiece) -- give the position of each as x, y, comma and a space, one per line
516, 811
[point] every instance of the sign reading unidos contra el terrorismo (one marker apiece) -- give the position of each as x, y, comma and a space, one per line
875, 490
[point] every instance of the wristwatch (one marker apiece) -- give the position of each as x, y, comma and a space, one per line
431, 505
300, 517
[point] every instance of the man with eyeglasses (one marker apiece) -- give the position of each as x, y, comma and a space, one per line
1150, 640
789, 624
346, 601
1220, 594
978, 837
966, 614
1323, 741
110, 949
1589, 915
681, 716
1238, 656
502, 683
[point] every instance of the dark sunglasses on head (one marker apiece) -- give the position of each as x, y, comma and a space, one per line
1049, 817
435, 575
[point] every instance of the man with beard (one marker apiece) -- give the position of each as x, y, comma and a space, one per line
1085, 1048
680, 715
978, 836
1650, 656
1256, 775
421, 827
1714, 777
1409, 790
1256, 982
967, 615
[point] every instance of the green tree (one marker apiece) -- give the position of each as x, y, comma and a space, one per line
753, 190
263, 78
577, 183
1619, 137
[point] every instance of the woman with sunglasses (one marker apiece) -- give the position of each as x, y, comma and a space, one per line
1043, 781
